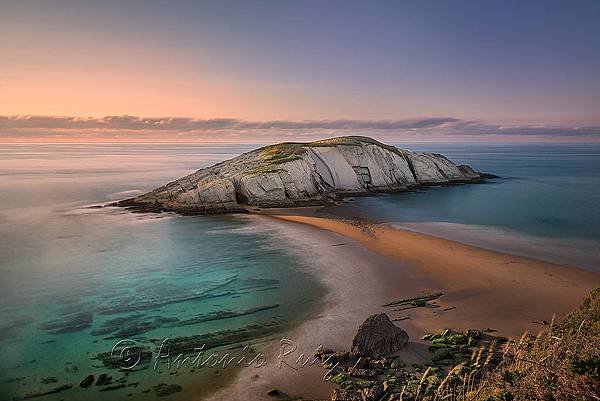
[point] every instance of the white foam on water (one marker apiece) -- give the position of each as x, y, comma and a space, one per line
130, 193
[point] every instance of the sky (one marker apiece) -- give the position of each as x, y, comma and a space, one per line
258, 71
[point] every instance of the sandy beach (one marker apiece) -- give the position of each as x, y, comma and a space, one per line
486, 288
366, 265
357, 282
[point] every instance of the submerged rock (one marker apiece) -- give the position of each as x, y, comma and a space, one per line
115, 387
10, 326
87, 381
68, 323
378, 336
164, 389
103, 380
37, 394
109, 360
301, 174
49, 380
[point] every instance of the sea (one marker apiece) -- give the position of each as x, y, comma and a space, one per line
544, 204
86, 290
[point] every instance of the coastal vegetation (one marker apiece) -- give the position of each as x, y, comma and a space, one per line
561, 363
280, 153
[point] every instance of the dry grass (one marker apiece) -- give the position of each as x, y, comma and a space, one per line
280, 153
562, 363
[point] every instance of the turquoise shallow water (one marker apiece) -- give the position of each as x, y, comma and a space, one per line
75, 280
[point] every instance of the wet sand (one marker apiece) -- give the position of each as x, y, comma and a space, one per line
486, 288
367, 265
357, 282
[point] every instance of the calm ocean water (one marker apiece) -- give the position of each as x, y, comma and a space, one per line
74, 280
545, 205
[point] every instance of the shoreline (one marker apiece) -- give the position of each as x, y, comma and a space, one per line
343, 265
485, 286
366, 265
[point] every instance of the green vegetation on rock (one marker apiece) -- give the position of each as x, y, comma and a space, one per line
560, 363
280, 153
342, 380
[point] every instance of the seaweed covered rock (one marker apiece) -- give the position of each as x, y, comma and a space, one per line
378, 336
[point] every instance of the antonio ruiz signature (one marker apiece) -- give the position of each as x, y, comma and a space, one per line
127, 355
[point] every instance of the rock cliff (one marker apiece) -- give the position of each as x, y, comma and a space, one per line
301, 174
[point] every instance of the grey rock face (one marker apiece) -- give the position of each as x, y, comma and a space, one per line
378, 336
301, 174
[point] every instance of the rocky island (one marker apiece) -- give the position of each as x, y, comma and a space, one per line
302, 174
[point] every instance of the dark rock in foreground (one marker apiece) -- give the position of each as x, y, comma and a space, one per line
561, 363
385, 376
378, 336
87, 381
302, 174
273, 392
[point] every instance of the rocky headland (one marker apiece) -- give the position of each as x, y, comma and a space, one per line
302, 174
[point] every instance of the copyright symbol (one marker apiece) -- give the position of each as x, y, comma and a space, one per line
125, 354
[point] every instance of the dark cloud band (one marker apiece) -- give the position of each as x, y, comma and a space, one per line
116, 126
189, 124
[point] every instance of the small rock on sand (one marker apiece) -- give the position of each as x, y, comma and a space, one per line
378, 336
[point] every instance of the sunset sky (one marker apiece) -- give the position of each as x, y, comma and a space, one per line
263, 70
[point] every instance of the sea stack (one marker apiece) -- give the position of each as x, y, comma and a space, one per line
302, 174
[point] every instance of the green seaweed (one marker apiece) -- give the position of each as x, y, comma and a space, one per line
342, 380
416, 301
